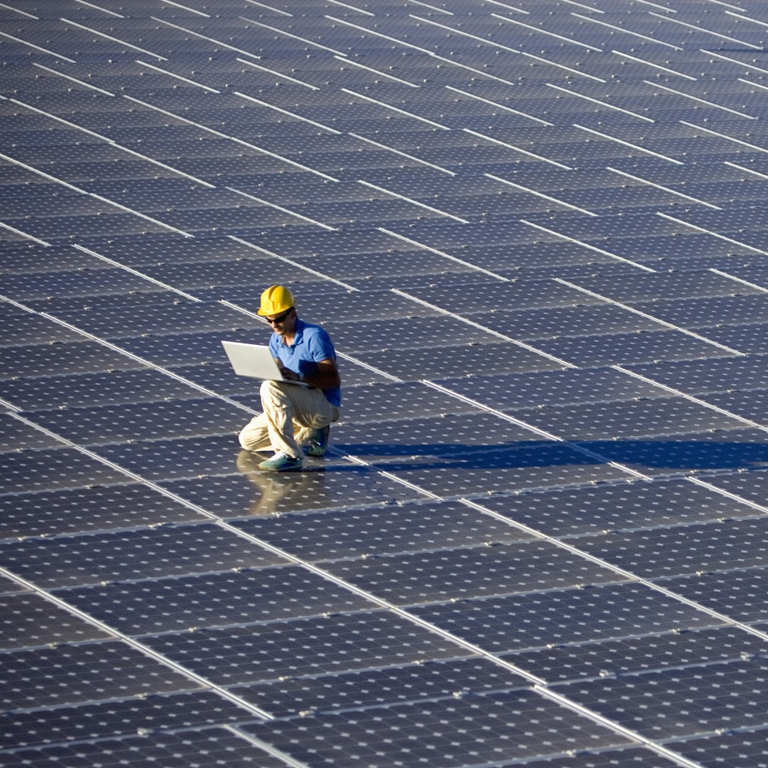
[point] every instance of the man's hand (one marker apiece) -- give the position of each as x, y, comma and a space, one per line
326, 376
289, 374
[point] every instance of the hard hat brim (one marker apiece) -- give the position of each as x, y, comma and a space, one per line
261, 312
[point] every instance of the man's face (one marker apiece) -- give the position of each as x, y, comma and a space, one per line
284, 323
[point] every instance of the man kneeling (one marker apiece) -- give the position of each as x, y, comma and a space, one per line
295, 418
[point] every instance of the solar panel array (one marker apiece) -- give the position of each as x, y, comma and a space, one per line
536, 231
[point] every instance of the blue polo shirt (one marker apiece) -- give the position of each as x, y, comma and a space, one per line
311, 345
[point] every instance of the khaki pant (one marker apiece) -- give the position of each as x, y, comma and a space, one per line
291, 415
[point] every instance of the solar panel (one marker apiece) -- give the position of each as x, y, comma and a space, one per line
535, 232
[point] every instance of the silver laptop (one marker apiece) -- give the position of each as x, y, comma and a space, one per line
255, 361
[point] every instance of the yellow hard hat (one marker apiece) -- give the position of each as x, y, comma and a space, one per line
276, 300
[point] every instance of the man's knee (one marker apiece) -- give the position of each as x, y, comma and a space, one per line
269, 386
253, 435
271, 392
247, 439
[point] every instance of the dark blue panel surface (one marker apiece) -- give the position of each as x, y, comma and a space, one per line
535, 231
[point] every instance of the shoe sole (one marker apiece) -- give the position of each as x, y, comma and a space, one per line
281, 469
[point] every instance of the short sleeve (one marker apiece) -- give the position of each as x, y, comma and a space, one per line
321, 347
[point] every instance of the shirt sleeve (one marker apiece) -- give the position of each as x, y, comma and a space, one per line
321, 347
273, 348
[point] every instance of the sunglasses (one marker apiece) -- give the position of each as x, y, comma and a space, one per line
280, 318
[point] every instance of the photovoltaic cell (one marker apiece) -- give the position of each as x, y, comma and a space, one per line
208, 746
54, 469
96, 508
337, 643
33, 393
167, 551
438, 726
147, 421
636, 505
30, 620
111, 730
453, 574
710, 547
385, 529
250, 596
746, 747
440, 361
626, 420
733, 593
530, 465
642, 347
705, 452
70, 357
536, 238
738, 697
600, 613
632, 656
251, 493
377, 687
73, 674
